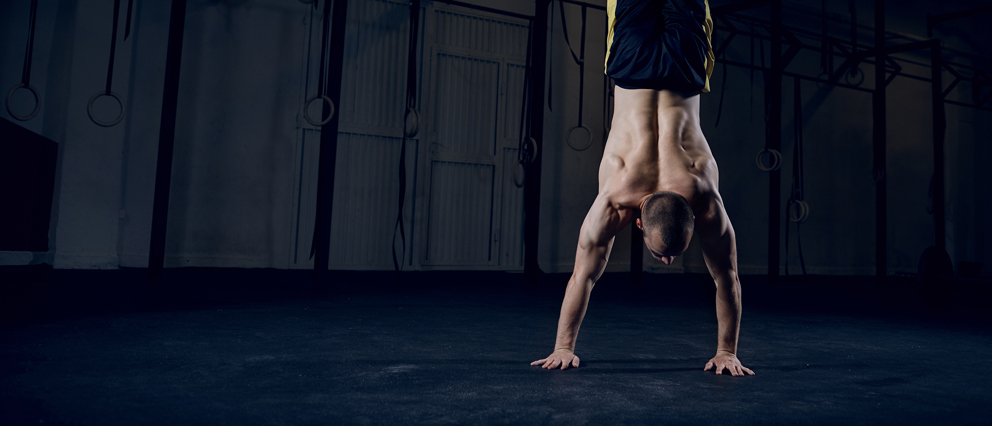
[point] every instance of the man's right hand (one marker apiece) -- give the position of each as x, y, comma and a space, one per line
563, 358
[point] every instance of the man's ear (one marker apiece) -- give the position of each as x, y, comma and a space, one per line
639, 224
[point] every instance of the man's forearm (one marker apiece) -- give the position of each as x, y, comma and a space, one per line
728, 313
573, 309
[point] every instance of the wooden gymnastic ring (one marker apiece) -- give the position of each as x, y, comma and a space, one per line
37, 102
407, 131
568, 137
776, 158
800, 212
529, 155
306, 110
120, 116
519, 183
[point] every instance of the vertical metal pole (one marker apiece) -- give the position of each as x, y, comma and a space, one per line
879, 136
166, 140
329, 141
532, 185
774, 93
939, 125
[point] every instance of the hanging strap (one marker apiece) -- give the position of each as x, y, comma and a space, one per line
127, 25
113, 47
581, 61
110, 76
797, 210
411, 110
564, 29
26, 71
523, 155
723, 91
524, 132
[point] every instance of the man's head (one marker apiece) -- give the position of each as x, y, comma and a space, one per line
667, 221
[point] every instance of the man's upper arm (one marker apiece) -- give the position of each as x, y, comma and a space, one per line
596, 238
718, 242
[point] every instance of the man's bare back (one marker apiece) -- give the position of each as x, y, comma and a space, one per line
655, 145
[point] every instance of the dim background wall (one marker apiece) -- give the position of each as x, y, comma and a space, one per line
240, 196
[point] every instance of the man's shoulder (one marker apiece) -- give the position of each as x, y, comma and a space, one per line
707, 205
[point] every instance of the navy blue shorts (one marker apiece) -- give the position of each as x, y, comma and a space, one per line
660, 44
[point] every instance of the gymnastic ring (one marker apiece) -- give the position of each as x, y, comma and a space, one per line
854, 71
523, 174
120, 101
37, 102
877, 175
776, 158
799, 214
530, 155
819, 80
306, 110
407, 132
568, 137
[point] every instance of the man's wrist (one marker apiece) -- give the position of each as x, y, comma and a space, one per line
725, 352
565, 350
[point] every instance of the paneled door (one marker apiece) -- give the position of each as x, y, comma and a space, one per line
471, 213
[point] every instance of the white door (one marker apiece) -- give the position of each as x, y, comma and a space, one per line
471, 214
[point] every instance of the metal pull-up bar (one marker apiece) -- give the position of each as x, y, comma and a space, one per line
933, 20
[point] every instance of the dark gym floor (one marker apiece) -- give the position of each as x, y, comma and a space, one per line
270, 347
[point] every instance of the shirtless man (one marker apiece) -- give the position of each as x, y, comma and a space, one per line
657, 162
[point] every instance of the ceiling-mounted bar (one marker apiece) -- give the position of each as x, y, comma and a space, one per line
933, 20
879, 135
486, 9
166, 140
800, 76
329, 139
741, 5
587, 5
532, 170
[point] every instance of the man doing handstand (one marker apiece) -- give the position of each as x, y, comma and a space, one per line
657, 162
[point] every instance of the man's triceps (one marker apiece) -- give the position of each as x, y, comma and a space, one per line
596, 239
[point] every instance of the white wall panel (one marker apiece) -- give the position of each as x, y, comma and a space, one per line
511, 242
473, 32
465, 114
374, 77
365, 201
461, 212
371, 112
474, 98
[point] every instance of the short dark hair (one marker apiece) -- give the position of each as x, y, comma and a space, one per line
669, 215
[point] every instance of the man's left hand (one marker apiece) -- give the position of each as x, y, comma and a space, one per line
725, 360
